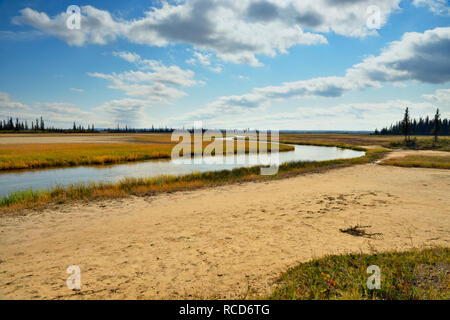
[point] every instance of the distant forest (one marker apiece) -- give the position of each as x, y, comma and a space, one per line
15, 125
420, 127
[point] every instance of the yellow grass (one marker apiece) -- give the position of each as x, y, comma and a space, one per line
420, 161
33, 156
338, 139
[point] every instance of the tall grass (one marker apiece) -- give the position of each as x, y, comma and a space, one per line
150, 186
36, 156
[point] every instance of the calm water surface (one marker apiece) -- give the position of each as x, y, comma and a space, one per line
43, 179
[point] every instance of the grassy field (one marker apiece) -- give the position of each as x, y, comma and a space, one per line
443, 144
150, 186
32, 156
414, 275
47, 155
420, 161
337, 139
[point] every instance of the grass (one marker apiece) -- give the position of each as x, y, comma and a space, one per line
38, 156
413, 275
420, 161
33, 156
150, 186
337, 139
443, 144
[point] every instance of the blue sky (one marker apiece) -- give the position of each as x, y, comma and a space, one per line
307, 65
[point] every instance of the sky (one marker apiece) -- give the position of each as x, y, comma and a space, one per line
265, 64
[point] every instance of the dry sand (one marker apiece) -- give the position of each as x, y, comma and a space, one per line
224, 242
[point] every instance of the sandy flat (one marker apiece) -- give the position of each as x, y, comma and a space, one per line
405, 153
224, 242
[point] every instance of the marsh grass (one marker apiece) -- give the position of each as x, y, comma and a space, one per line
327, 139
420, 161
154, 185
443, 144
413, 275
39, 156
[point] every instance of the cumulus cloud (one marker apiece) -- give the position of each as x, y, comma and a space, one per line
439, 7
417, 56
204, 59
60, 113
236, 31
441, 96
8, 105
125, 111
151, 83
423, 57
158, 85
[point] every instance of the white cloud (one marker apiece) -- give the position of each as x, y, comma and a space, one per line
439, 7
60, 112
128, 56
157, 85
77, 90
343, 116
98, 26
204, 59
236, 31
441, 96
54, 113
125, 111
423, 57
8, 105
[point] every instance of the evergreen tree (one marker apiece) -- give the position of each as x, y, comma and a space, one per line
406, 125
436, 126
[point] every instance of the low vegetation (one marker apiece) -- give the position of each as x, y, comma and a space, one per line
342, 140
150, 186
420, 161
37, 156
414, 275
33, 156
442, 144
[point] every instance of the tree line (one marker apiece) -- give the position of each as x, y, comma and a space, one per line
38, 125
419, 127
126, 129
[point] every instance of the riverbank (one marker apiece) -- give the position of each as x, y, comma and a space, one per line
229, 241
151, 186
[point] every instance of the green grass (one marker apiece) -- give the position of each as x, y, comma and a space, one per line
443, 144
413, 275
150, 186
